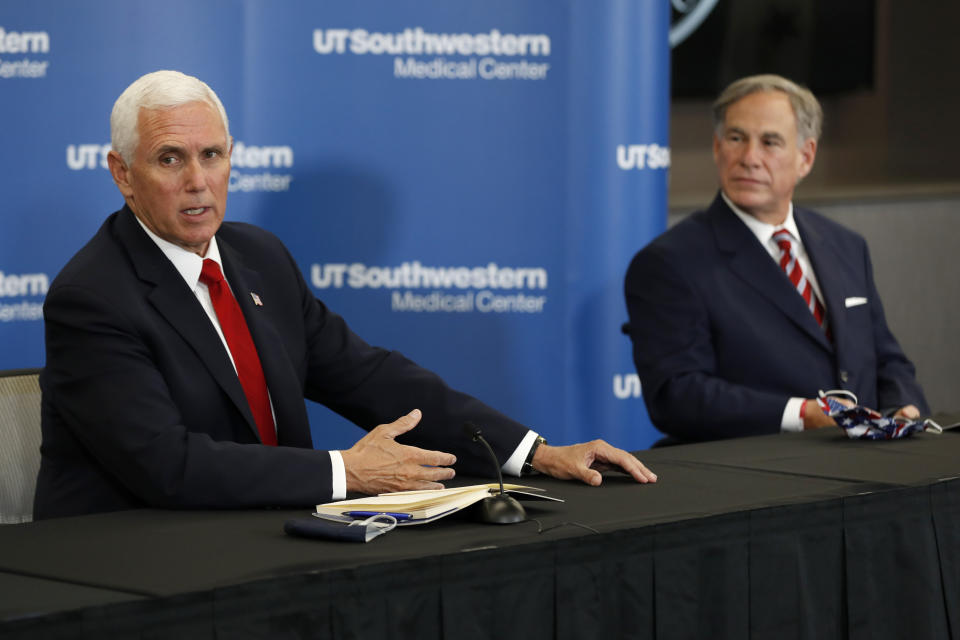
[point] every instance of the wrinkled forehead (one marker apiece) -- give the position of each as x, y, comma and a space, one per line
192, 122
761, 112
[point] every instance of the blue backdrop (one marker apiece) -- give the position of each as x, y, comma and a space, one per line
465, 182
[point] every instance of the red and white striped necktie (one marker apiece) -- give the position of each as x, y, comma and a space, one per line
791, 267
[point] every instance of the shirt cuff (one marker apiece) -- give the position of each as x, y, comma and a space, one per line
339, 479
514, 464
791, 420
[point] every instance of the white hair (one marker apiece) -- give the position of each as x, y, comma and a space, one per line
157, 90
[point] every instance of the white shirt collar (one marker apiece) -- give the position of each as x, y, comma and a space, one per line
762, 230
187, 263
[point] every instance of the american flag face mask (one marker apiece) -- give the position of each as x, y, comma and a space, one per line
861, 423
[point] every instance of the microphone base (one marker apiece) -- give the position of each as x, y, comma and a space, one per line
500, 509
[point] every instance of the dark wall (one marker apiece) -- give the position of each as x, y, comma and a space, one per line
923, 126
899, 137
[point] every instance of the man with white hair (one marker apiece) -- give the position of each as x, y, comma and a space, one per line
740, 314
180, 349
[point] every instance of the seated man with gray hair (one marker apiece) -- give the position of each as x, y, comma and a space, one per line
741, 313
180, 349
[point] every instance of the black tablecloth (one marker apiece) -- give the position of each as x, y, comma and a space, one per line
790, 536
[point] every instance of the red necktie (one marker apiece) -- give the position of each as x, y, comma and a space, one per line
244, 353
791, 267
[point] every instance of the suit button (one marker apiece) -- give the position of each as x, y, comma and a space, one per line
844, 376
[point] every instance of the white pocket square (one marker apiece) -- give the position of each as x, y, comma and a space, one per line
854, 302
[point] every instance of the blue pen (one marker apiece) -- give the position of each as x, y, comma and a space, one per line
370, 514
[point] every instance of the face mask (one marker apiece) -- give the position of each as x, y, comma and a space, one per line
861, 423
355, 531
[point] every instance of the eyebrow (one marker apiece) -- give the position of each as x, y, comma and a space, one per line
168, 148
764, 135
172, 148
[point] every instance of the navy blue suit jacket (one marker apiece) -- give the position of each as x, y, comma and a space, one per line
721, 339
142, 407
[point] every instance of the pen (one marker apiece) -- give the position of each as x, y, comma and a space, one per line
369, 514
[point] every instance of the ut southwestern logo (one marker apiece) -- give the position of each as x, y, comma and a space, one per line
19, 42
253, 157
476, 55
416, 41
643, 156
22, 286
245, 156
87, 156
626, 386
480, 288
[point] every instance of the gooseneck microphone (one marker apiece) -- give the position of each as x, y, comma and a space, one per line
501, 508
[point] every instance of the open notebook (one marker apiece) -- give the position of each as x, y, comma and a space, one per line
418, 507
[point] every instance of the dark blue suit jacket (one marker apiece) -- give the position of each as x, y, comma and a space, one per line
721, 339
142, 407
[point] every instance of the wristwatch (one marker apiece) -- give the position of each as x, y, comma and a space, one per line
527, 468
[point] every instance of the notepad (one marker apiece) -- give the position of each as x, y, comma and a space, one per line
419, 507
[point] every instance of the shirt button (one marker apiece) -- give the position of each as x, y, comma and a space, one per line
844, 376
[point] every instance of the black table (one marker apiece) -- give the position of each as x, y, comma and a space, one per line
791, 536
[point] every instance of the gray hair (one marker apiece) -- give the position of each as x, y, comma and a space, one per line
157, 90
806, 108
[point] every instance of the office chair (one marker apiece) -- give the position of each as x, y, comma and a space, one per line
19, 443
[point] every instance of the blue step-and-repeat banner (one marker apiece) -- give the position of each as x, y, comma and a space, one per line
464, 181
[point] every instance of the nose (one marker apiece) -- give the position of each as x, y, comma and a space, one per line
194, 176
750, 157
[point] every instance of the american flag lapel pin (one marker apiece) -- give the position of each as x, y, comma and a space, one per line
256, 299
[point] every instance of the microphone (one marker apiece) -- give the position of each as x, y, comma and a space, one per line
502, 508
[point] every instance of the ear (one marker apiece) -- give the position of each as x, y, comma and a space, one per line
716, 149
120, 173
808, 152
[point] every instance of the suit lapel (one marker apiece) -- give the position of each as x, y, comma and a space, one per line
826, 262
174, 300
752, 263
